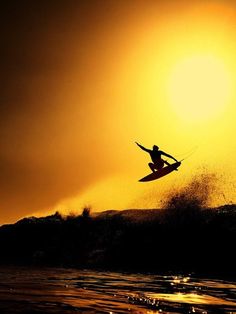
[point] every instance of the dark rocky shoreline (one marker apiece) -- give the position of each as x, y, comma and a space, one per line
187, 239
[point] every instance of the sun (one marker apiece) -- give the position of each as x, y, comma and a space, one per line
199, 88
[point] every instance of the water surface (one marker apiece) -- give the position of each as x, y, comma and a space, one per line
55, 290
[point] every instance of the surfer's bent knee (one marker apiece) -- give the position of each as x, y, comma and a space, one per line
151, 166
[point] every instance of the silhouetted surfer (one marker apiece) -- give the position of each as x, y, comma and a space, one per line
155, 153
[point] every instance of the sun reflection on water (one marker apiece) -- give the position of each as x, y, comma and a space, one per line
190, 298
107, 292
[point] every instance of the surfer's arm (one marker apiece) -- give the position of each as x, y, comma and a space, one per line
143, 148
169, 156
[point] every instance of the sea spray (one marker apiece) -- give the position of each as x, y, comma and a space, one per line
198, 193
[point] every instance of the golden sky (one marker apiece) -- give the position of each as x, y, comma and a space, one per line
83, 80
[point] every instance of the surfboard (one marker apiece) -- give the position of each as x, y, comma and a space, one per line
161, 173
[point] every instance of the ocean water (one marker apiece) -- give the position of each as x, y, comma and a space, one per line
56, 290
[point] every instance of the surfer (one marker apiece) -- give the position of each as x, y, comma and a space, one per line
155, 154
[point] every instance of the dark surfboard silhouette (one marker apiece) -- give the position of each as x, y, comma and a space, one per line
161, 173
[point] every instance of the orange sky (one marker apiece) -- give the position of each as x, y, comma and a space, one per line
83, 80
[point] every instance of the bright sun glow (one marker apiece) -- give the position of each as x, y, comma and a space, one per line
199, 88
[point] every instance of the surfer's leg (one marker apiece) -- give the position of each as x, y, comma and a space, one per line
160, 164
152, 166
166, 162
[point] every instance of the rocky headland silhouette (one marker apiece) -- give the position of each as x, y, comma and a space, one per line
178, 238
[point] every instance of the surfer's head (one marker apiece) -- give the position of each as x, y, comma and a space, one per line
155, 147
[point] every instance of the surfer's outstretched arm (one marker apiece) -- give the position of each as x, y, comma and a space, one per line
143, 148
169, 156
